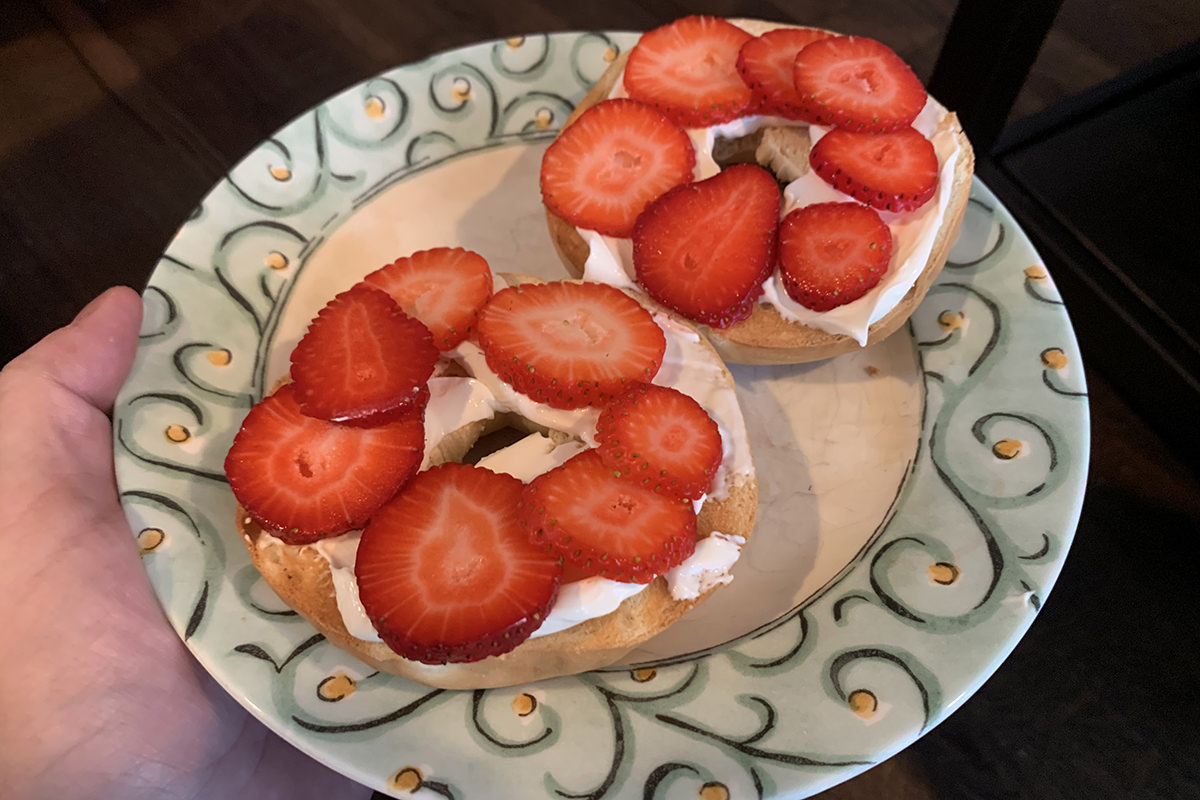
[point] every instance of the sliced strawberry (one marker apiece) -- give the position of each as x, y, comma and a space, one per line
704, 249
895, 171
688, 70
306, 479
607, 525
443, 287
858, 84
447, 574
569, 345
363, 360
765, 64
660, 438
832, 253
607, 165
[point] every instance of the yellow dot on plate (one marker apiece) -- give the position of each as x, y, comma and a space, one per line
281, 173
610, 54
1054, 358
374, 107
408, 779
461, 90
219, 358
713, 791
177, 434
524, 704
337, 686
1006, 449
515, 41
644, 674
863, 703
150, 539
543, 118
943, 573
1036, 273
951, 320
276, 260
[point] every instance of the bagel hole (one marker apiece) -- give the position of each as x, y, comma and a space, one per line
493, 442
738, 150
781, 150
505, 430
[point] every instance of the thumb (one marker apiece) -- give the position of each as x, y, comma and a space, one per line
90, 357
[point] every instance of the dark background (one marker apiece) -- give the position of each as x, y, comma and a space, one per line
117, 117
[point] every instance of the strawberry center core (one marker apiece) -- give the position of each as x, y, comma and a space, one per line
303, 465
617, 511
865, 80
457, 561
616, 173
424, 299
836, 250
627, 160
674, 438
580, 331
883, 155
699, 71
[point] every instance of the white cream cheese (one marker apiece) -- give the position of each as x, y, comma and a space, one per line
610, 259
580, 601
341, 551
579, 422
689, 365
531, 456
707, 567
453, 403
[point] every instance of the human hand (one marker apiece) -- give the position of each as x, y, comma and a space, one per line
101, 697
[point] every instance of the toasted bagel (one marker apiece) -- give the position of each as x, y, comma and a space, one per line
302, 577
767, 337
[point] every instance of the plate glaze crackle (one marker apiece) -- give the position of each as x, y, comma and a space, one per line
917, 498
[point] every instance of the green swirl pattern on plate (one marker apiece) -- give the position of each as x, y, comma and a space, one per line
898, 637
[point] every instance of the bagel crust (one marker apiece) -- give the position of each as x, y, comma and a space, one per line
767, 337
302, 578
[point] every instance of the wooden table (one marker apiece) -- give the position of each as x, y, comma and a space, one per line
116, 117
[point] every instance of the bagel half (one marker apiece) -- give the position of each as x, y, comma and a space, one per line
766, 337
301, 576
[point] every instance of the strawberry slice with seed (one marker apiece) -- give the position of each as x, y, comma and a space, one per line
856, 83
606, 525
688, 70
607, 165
895, 171
306, 479
832, 253
363, 360
569, 345
704, 249
660, 438
765, 64
447, 574
443, 287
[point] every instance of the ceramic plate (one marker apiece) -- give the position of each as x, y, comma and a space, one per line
918, 498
